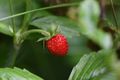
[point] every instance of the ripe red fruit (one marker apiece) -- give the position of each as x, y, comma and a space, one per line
57, 45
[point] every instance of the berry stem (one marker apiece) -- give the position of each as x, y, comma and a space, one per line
27, 33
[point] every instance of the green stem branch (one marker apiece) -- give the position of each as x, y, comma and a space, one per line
27, 17
40, 9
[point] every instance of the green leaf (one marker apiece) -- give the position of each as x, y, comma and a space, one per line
17, 74
93, 66
5, 29
88, 19
68, 27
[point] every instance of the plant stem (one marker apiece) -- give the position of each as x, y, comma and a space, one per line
114, 14
27, 17
13, 56
12, 12
40, 9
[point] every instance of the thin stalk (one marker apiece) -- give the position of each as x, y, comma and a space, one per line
117, 26
39, 9
12, 12
114, 14
35, 31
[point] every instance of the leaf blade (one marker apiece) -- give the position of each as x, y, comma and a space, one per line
91, 66
5, 29
17, 74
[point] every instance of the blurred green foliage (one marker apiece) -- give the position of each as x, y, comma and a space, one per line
33, 55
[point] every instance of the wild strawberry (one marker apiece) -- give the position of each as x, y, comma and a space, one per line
57, 45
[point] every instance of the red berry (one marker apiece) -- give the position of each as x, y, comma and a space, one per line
57, 45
